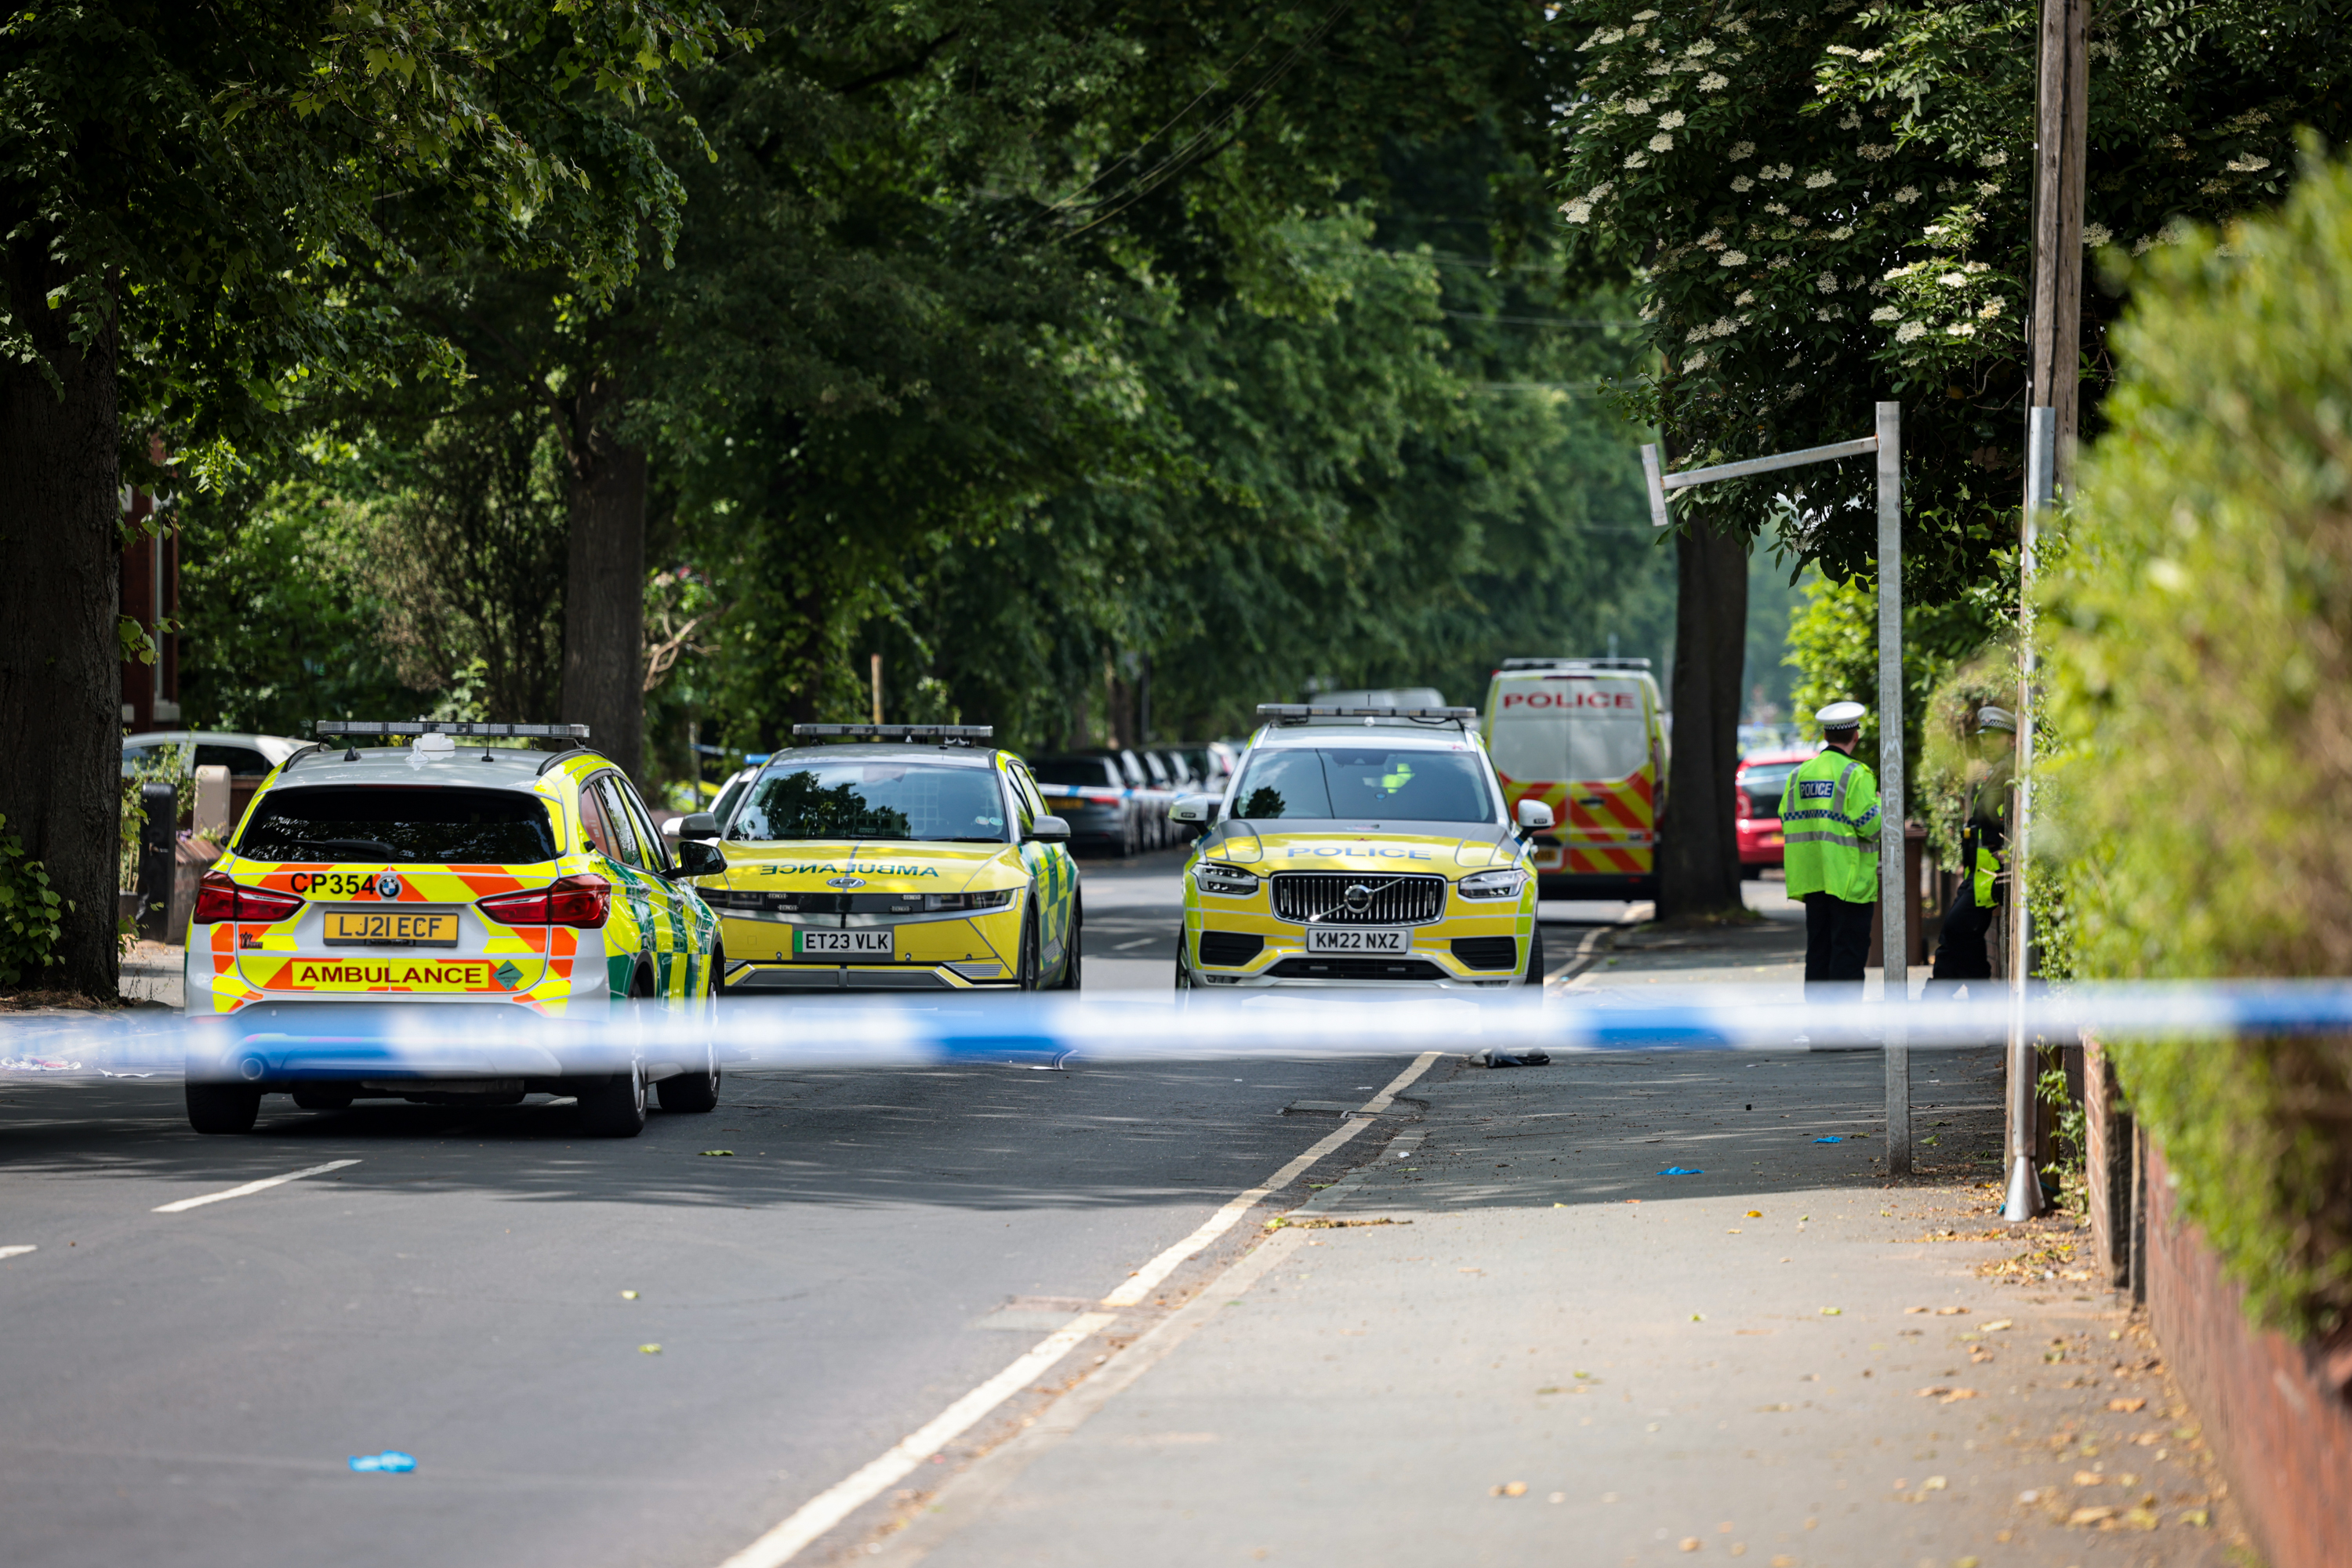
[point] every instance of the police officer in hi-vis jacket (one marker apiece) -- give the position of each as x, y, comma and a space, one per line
1829, 831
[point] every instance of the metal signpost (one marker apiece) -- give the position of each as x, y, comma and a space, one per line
2023, 1200
1894, 898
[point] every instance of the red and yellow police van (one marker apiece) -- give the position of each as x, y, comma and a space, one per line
1589, 738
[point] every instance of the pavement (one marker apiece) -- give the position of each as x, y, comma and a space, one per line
997, 1316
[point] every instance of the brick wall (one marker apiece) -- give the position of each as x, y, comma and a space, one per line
2274, 1410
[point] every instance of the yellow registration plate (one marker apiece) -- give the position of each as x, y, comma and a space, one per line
420, 928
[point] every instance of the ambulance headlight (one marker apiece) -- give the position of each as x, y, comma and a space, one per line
1493, 884
1224, 880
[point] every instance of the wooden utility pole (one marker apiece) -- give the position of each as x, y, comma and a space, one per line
2054, 417
2061, 134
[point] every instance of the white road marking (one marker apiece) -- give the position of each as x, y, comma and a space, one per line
1148, 1276
16, 1251
250, 1188
1138, 942
844, 1497
838, 1501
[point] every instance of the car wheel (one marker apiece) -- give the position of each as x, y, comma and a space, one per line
692, 1092
1184, 984
323, 1100
1751, 873
1074, 953
616, 1107
1536, 958
223, 1107
1029, 976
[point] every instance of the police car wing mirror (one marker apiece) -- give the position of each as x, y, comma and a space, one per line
699, 857
1050, 830
698, 825
1201, 808
1534, 816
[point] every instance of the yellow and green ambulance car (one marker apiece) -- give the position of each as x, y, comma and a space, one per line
895, 857
461, 877
1361, 847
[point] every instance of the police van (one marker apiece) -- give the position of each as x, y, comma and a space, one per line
1589, 738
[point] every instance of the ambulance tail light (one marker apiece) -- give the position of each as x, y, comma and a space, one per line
219, 900
582, 901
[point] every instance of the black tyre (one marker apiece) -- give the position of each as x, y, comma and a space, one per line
1030, 976
223, 1107
616, 1107
692, 1092
1536, 958
1184, 986
323, 1100
1074, 954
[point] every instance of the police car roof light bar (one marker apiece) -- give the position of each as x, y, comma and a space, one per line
1300, 712
1598, 661
946, 734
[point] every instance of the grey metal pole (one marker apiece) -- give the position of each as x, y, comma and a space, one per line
1893, 870
2023, 1200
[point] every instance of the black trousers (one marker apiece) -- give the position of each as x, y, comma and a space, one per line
1961, 952
1837, 939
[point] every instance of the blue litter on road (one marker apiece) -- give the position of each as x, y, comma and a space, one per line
1829, 1139
1678, 1171
390, 1459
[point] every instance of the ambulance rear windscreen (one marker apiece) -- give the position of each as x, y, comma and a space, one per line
1551, 747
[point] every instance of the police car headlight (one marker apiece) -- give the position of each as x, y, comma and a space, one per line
1493, 884
1227, 882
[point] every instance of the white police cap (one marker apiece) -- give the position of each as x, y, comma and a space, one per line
1991, 718
1841, 716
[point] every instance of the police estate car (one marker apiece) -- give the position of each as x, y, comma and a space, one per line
462, 878
1361, 847
895, 857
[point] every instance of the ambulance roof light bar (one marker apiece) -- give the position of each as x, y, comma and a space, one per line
945, 734
350, 731
1598, 661
1304, 712
346, 728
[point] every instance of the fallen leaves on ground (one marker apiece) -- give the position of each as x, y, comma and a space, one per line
1508, 1488
2128, 1406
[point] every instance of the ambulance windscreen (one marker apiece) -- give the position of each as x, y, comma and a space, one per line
1360, 783
429, 825
906, 801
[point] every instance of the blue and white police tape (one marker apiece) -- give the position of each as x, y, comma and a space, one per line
278, 1042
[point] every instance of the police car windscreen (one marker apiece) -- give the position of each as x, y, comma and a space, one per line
873, 800
425, 823
1360, 784
1551, 747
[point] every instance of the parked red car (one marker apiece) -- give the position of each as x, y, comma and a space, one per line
1756, 795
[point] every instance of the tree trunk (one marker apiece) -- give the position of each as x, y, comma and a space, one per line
1698, 849
60, 673
604, 590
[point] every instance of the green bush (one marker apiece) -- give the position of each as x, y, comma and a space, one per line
2200, 642
30, 914
1948, 649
